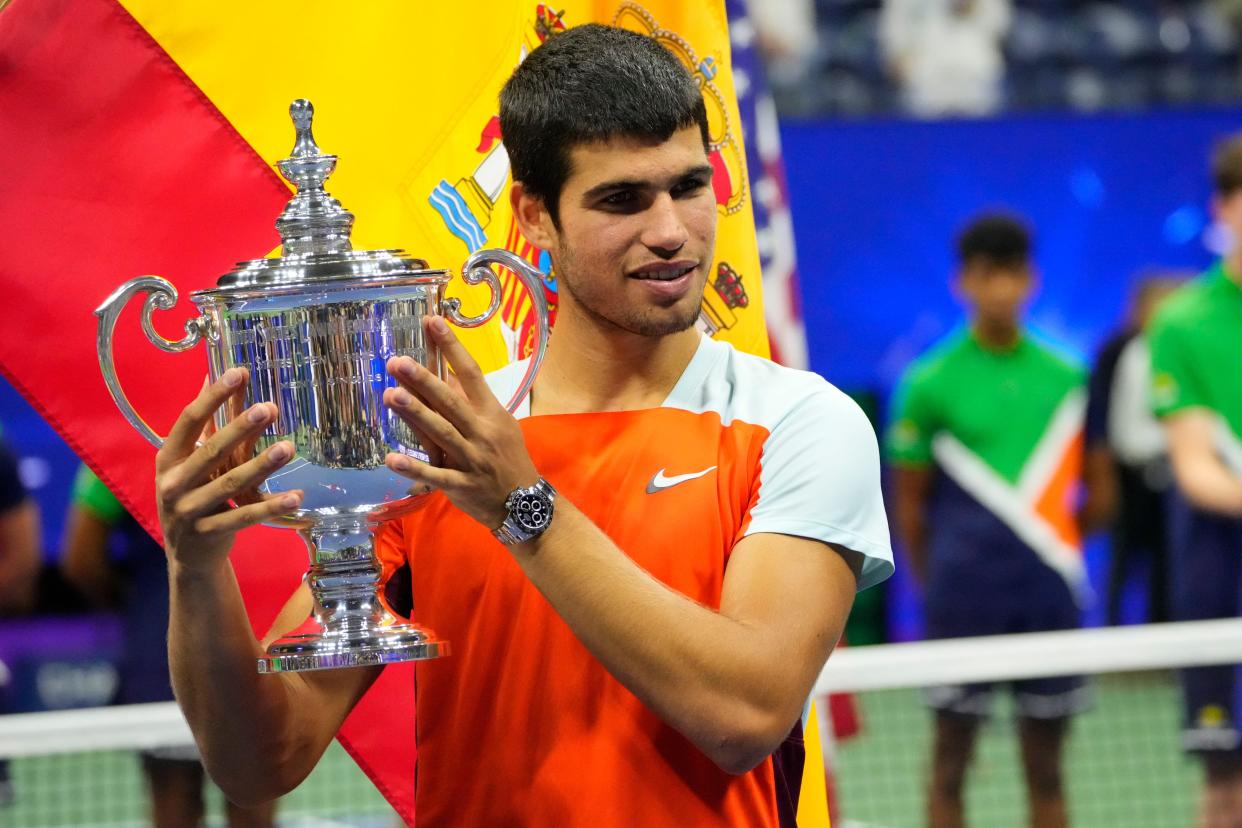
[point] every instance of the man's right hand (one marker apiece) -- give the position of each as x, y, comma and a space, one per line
195, 481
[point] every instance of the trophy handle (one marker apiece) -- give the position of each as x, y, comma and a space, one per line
478, 269
162, 295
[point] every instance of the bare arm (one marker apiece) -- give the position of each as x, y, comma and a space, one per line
84, 556
20, 555
732, 681
1203, 478
911, 487
1099, 478
259, 734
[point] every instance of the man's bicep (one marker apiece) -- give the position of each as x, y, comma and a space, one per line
798, 590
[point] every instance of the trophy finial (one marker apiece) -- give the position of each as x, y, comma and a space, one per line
302, 112
313, 221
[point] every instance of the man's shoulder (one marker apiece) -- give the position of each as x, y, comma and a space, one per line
938, 364
1186, 307
1058, 362
739, 386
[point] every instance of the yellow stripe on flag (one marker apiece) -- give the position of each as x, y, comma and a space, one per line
813, 796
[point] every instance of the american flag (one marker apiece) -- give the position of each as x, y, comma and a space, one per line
773, 222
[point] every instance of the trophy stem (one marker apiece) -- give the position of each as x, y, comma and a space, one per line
351, 624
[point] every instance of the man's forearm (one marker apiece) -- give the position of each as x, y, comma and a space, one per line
241, 719
1209, 485
723, 683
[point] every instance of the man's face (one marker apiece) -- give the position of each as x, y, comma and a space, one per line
637, 232
995, 293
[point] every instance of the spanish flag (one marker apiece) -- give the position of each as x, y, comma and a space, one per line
139, 137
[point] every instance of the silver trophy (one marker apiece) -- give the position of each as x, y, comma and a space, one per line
315, 328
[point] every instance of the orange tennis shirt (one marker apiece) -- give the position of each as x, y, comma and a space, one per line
521, 726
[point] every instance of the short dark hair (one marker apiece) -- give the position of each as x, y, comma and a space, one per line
1227, 166
591, 83
999, 239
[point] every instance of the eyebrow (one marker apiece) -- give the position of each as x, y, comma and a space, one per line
634, 184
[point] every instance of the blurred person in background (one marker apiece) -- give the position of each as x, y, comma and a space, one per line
21, 556
21, 541
1127, 462
986, 448
114, 563
1196, 355
946, 55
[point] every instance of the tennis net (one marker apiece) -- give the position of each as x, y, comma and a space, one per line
1123, 762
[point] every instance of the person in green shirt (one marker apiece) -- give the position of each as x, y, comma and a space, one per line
1196, 352
986, 449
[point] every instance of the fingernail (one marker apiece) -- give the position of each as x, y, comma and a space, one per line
438, 326
401, 463
257, 414
280, 452
408, 368
290, 501
232, 377
401, 398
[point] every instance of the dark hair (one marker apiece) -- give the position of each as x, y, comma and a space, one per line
998, 238
591, 83
1227, 166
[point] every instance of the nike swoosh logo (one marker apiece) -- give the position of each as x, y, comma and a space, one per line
660, 482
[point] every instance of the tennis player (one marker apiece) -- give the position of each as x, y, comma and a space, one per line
639, 654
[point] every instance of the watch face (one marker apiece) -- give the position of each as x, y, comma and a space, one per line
532, 511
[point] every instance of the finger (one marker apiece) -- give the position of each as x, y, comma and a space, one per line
468, 373
195, 416
233, 520
423, 473
428, 422
237, 484
219, 452
435, 392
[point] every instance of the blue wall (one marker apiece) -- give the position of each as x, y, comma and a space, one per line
876, 206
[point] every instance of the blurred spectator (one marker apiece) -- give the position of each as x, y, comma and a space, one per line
112, 560
785, 35
1126, 467
1196, 340
20, 540
985, 442
946, 55
20, 561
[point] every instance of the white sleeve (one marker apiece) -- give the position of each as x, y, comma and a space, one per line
820, 479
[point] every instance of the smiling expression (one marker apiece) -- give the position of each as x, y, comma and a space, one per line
636, 232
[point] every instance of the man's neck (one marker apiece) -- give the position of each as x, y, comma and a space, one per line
592, 369
996, 336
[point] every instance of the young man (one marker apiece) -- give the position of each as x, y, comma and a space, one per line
1196, 340
637, 658
986, 442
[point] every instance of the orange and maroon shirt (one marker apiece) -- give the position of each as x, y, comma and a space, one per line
521, 726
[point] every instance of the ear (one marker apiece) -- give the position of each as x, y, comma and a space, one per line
532, 217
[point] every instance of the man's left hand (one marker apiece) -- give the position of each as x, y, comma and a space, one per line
477, 447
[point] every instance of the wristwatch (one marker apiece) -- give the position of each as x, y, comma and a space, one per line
530, 513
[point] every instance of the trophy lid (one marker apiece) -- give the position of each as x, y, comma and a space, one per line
314, 228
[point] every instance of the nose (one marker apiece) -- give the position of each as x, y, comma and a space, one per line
665, 231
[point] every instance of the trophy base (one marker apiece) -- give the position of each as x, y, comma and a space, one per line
330, 650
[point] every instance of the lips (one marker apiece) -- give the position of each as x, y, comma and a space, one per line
663, 271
